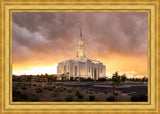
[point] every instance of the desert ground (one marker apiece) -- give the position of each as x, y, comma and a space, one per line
75, 91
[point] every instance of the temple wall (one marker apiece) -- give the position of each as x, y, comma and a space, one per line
84, 69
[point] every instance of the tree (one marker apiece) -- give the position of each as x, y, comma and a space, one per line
115, 82
116, 79
123, 78
144, 79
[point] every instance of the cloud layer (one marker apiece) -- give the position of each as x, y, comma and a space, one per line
52, 37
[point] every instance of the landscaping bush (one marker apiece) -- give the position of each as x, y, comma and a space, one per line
24, 87
33, 98
57, 100
138, 98
55, 94
15, 92
69, 98
116, 94
17, 96
78, 89
15, 87
23, 96
39, 90
91, 98
50, 89
110, 98
34, 84
69, 90
101, 79
17, 99
44, 87
71, 79
79, 95
72, 88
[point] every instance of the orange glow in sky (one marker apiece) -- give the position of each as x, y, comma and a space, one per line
117, 39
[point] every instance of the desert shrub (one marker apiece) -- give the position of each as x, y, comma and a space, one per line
72, 88
90, 92
24, 87
55, 94
69, 90
61, 90
50, 89
64, 88
23, 96
39, 90
79, 95
78, 90
69, 98
110, 98
15, 92
91, 98
138, 98
44, 87
57, 100
15, 87
17, 96
33, 98
34, 84
78, 100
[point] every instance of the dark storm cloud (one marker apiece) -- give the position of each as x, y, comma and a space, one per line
57, 34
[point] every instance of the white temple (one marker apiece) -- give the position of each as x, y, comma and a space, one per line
81, 66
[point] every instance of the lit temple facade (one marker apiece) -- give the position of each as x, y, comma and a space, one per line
81, 66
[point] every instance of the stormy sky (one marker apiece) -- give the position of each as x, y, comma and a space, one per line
118, 39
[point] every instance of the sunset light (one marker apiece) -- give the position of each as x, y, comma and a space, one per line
37, 70
118, 40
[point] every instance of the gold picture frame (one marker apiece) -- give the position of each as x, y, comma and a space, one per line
151, 7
